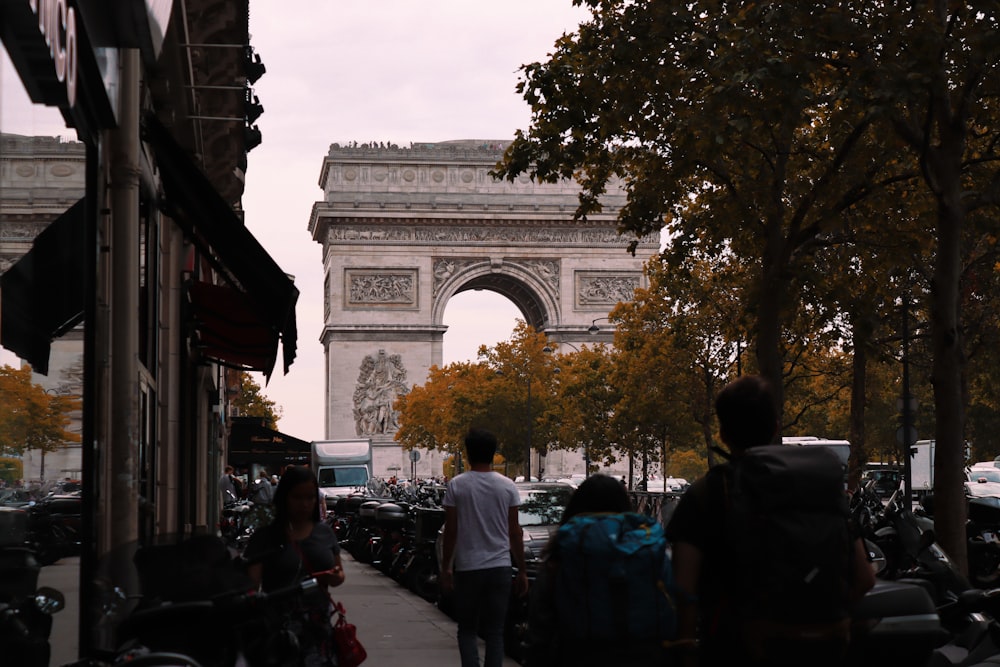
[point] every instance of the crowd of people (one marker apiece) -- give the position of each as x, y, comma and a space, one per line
708, 608
615, 586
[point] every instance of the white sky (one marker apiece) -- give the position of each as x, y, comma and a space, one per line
342, 70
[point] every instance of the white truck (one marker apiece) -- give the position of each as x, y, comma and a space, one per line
922, 467
341, 466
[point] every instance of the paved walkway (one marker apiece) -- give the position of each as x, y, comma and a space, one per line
396, 626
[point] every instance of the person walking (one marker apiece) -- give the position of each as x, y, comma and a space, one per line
295, 546
262, 492
764, 556
481, 534
573, 619
227, 486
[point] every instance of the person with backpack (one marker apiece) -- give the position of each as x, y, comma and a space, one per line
765, 559
604, 595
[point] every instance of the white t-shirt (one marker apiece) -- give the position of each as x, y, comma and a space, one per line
482, 501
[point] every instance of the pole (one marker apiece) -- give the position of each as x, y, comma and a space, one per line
908, 429
527, 458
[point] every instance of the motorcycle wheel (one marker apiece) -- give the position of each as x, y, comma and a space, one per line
984, 565
421, 579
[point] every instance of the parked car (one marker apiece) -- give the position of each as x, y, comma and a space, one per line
887, 479
542, 506
14, 498
668, 485
54, 527
975, 474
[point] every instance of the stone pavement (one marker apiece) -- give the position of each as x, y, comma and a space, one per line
395, 626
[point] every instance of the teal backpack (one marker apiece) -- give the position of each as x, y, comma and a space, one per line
614, 579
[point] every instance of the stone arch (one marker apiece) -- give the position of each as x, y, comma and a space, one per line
403, 230
536, 300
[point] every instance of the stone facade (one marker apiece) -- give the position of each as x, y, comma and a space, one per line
405, 229
40, 178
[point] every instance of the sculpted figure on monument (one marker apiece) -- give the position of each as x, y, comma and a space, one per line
381, 380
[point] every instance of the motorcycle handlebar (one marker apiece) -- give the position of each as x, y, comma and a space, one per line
303, 588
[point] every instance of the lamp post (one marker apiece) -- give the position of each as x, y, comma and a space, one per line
41, 467
593, 329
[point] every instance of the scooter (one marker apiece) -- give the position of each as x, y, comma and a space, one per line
25, 627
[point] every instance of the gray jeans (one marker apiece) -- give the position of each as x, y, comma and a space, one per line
481, 598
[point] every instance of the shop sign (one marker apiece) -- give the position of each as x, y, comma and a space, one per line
57, 24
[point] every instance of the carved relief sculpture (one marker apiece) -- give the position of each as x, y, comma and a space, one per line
606, 290
382, 379
381, 288
445, 268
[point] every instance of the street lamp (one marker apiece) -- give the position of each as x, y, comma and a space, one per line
548, 349
41, 468
593, 330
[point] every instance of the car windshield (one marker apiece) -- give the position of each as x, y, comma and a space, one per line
329, 477
544, 506
990, 475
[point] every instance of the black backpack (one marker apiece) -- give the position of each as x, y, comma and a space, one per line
786, 530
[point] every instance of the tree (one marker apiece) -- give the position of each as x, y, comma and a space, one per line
437, 414
725, 123
522, 392
250, 402
30, 418
757, 128
932, 69
584, 403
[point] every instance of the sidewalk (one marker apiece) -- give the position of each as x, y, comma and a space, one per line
395, 626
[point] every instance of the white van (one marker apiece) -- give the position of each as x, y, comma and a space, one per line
841, 448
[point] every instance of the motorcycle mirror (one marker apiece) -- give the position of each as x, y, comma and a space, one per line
49, 600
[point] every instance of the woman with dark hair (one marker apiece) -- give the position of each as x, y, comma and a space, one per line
565, 591
295, 546
598, 493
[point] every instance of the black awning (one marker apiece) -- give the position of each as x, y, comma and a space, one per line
229, 328
219, 233
251, 442
43, 293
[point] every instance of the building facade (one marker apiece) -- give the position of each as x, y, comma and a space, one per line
174, 294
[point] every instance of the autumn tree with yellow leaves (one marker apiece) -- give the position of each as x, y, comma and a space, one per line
30, 418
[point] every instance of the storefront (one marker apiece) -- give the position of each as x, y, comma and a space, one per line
174, 293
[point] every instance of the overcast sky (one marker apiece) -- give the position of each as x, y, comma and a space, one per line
338, 71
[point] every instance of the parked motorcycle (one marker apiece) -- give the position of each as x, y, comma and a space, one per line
25, 610
54, 527
25, 627
188, 600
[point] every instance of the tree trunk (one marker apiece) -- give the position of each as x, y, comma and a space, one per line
770, 305
859, 380
943, 167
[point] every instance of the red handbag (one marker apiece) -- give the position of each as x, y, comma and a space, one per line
350, 652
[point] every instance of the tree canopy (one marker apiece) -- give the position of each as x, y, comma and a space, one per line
31, 418
782, 136
251, 402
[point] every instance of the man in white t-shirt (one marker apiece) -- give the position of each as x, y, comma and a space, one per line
481, 534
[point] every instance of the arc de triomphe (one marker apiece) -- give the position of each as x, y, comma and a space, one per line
405, 229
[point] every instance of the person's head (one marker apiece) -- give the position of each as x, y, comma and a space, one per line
747, 414
263, 474
597, 493
480, 445
297, 496
228, 470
